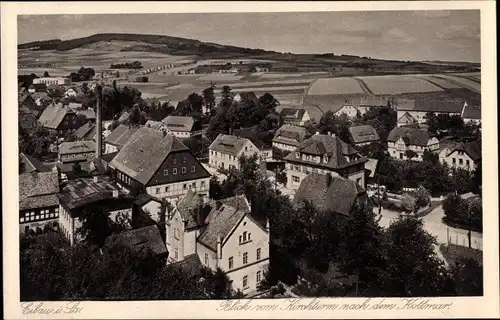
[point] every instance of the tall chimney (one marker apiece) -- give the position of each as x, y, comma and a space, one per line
98, 141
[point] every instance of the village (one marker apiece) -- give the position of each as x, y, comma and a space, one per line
204, 186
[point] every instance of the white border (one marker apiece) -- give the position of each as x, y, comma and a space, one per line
487, 306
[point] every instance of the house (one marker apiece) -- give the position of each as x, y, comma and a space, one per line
52, 81
88, 113
226, 150
415, 139
294, 116
420, 107
150, 205
27, 118
140, 240
87, 168
76, 151
366, 104
41, 99
73, 92
324, 154
86, 132
460, 154
245, 96
406, 119
25, 99
157, 125
289, 137
30, 164
118, 138
330, 193
38, 202
223, 235
160, 165
87, 193
182, 126
59, 118
348, 108
471, 114
363, 135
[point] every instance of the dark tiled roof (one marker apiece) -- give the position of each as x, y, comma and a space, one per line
87, 130
32, 164
41, 95
121, 135
83, 191
191, 264
188, 208
471, 148
339, 196
441, 106
222, 221
123, 117
404, 104
53, 115
411, 136
76, 147
88, 113
146, 238
144, 198
365, 133
320, 145
144, 153
108, 157
75, 106
373, 102
38, 189
292, 113
153, 124
472, 112
291, 135
228, 144
179, 123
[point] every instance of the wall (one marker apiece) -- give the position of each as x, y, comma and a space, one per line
37, 218
175, 239
259, 238
218, 159
201, 250
283, 146
350, 111
109, 148
398, 150
154, 209
457, 156
75, 157
358, 176
301, 171
178, 189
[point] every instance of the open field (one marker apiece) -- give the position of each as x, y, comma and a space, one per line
463, 82
443, 83
393, 85
220, 77
332, 86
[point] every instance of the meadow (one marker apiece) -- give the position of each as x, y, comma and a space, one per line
396, 84
340, 86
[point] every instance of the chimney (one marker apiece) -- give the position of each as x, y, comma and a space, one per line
98, 141
267, 226
96, 179
115, 193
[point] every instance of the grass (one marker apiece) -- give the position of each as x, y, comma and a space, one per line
398, 84
335, 86
452, 252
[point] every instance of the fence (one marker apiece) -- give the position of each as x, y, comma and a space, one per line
462, 239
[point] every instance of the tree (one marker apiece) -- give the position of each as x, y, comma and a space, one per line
410, 154
467, 274
96, 225
226, 93
134, 117
46, 74
477, 178
268, 101
209, 99
422, 197
409, 203
454, 208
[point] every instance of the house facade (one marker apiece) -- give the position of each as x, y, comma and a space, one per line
183, 126
59, 118
52, 81
471, 114
226, 150
289, 137
76, 151
159, 164
348, 109
294, 116
366, 104
324, 154
462, 155
418, 109
363, 135
414, 139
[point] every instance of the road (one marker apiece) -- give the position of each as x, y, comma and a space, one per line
434, 225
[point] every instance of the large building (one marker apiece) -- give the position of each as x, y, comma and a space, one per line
417, 109
38, 202
223, 235
226, 150
471, 114
118, 138
52, 81
324, 154
159, 164
294, 116
59, 118
183, 126
402, 140
288, 137
76, 151
366, 104
363, 135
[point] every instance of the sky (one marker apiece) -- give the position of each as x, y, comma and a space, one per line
401, 35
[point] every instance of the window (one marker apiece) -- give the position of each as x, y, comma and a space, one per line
32, 213
296, 168
203, 183
183, 169
240, 239
193, 168
245, 282
157, 190
467, 162
454, 160
245, 258
245, 236
166, 189
249, 234
258, 276
246, 148
176, 254
174, 170
165, 172
295, 179
22, 220
206, 259
258, 254
230, 262
194, 184
184, 186
184, 160
174, 161
461, 161
37, 217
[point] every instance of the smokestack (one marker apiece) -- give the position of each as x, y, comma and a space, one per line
98, 141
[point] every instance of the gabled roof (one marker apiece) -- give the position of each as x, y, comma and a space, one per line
365, 133
411, 136
328, 193
144, 198
179, 123
227, 144
53, 115
406, 117
121, 135
76, 147
190, 265
89, 113
153, 124
87, 129
291, 135
144, 153
373, 102
472, 112
471, 148
222, 220
41, 95
75, 106
321, 145
124, 116
292, 113
32, 164
188, 208
439, 106
38, 189
146, 238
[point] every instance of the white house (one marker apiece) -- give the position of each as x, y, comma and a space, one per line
294, 116
403, 139
52, 81
288, 137
463, 155
71, 92
471, 114
182, 126
348, 109
226, 150
223, 235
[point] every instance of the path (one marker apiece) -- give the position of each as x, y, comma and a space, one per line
364, 87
